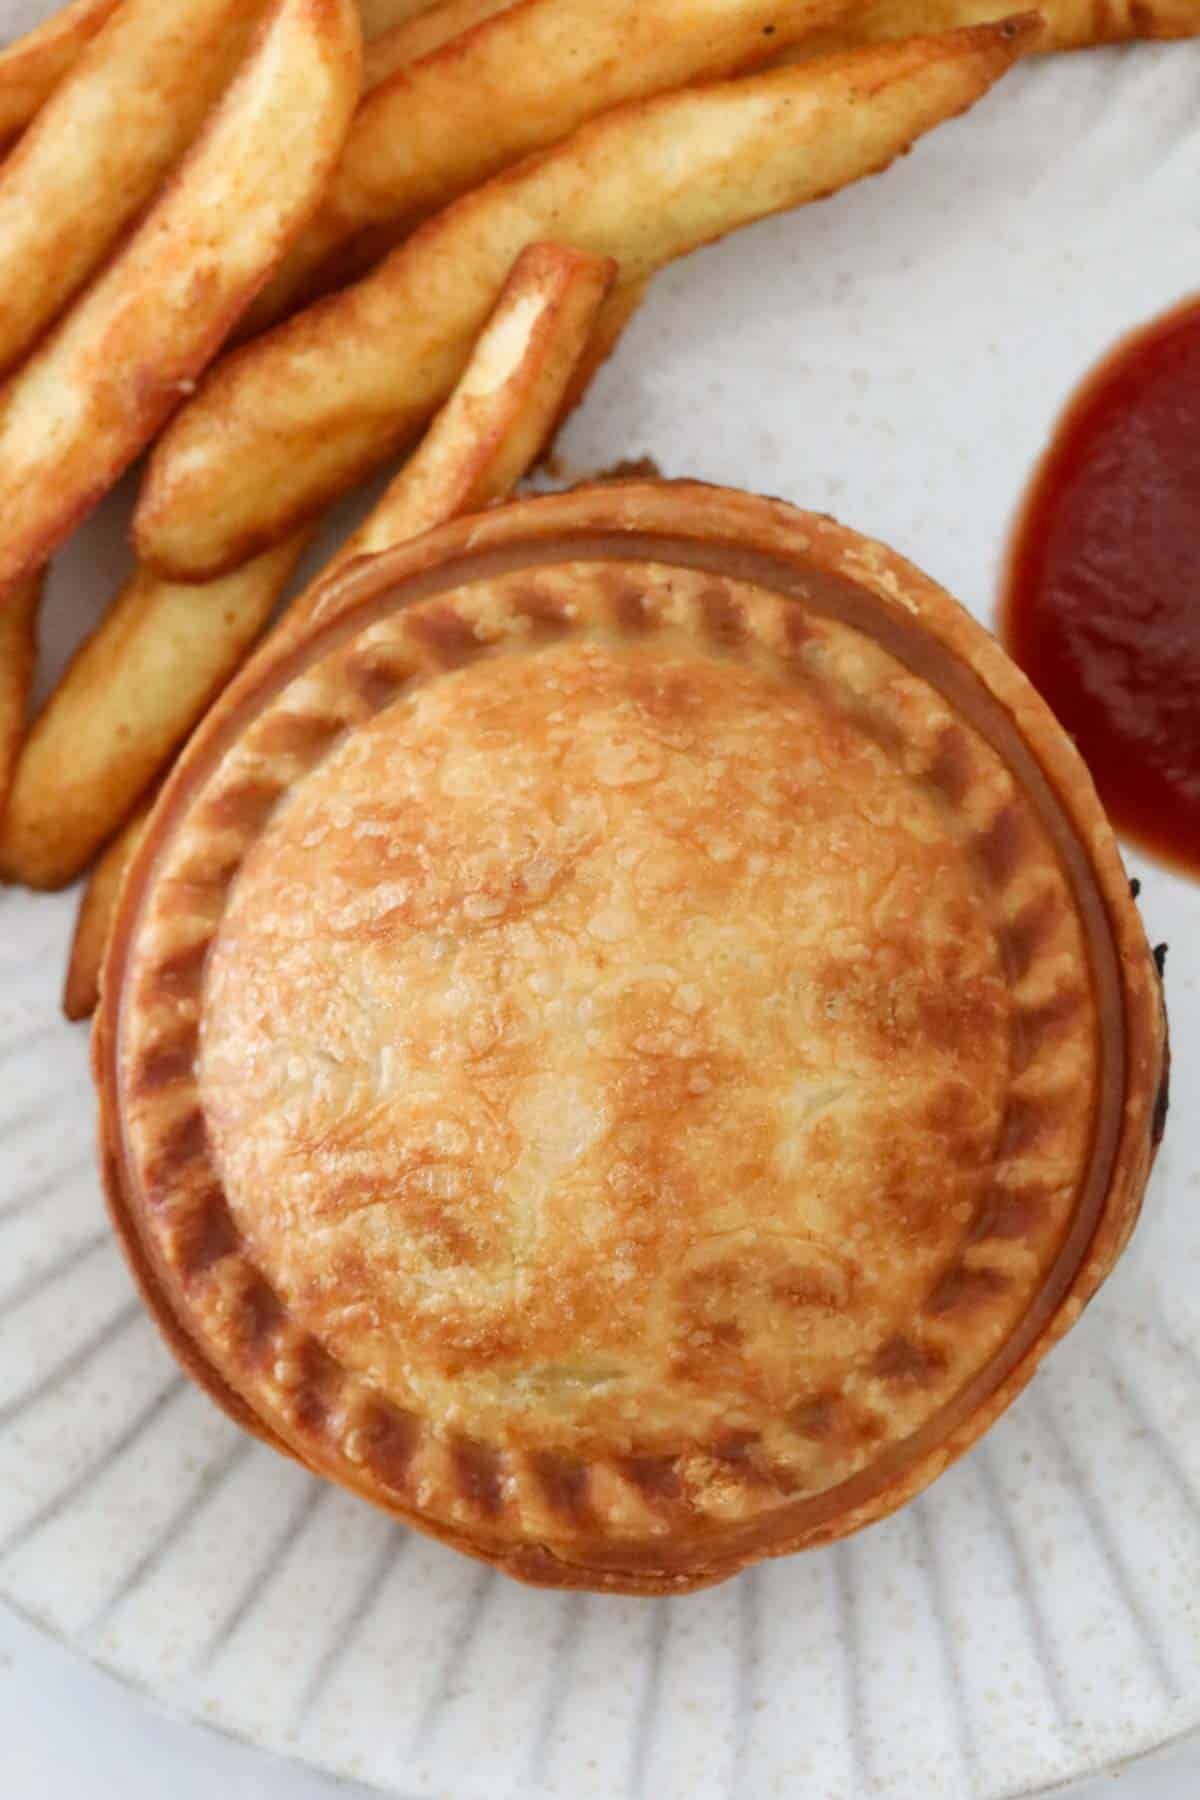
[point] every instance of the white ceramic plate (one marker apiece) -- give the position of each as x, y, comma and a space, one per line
895, 357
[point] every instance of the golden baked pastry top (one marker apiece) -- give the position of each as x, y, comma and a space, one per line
614, 1055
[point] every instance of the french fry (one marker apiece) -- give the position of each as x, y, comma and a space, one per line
382, 15
518, 82
101, 146
484, 439
126, 702
93, 922
32, 66
421, 35
287, 422
495, 423
19, 609
1066, 24
94, 394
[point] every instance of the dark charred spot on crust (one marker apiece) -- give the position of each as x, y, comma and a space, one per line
914, 1364
181, 973
445, 632
815, 1419
296, 734
245, 805
479, 1473
962, 1290
1135, 887
316, 1392
999, 847
654, 1476
165, 1063
1162, 1102
724, 619
375, 678
183, 1143
544, 610
260, 1317
1160, 959
950, 770
1023, 936
628, 599
208, 1236
391, 1442
1008, 1214
564, 1484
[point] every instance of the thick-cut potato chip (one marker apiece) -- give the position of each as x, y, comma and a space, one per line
1066, 24
101, 146
19, 608
294, 419
426, 33
94, 920
94, 394
516, 83
32, 66
128, 699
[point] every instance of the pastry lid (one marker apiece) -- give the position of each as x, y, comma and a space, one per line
628, 1042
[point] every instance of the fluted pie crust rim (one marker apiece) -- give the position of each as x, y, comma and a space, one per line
637, 1528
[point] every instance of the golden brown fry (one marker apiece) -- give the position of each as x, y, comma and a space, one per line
518, 82
32, 66
1066, 24
290, 421
128, 699
499, 417
19, 608
381, 15
93, 922
100, 147
91, 398
420, 36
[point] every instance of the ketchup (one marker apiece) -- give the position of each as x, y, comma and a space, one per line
1102, 607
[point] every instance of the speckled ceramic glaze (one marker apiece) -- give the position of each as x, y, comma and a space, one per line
895, 357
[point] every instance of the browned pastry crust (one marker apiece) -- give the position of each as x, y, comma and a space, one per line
628, 1043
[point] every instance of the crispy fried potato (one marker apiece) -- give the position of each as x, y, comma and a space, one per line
487, 435
19, 608
32, 66
91, 398
100, 147
497, 420
126, 702
516, 83
94, 920
420, 36
382, 15
290, 421
1066, 24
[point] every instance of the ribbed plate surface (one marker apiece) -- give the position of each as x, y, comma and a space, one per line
895, 357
